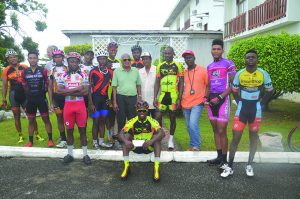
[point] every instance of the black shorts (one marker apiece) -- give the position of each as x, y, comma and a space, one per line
141, 150
100, 102
34, 103
58, 101
17, 99
86, 101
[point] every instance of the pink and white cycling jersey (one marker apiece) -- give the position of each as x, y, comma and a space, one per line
218, 74
73, 80
86, 69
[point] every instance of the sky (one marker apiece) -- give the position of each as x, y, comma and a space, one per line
98, 15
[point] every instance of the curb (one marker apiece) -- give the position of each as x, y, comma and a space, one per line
166, 156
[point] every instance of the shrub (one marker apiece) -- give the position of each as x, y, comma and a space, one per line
80, 48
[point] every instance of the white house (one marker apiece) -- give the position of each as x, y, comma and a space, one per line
197, 15
246, 18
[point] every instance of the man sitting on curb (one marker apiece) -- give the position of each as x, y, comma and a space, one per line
141, 134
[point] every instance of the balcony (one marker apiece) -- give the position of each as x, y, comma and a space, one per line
267, 12
187, 24
235, 26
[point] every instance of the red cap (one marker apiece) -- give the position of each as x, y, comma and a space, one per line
188, 52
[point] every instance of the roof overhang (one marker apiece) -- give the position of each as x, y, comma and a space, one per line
176, 11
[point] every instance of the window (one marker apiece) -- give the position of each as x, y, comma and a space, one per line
241, 6
197, 2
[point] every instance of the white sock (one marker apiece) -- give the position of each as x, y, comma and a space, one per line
101, 140
126, 158
84, 149
171, 137
70, 150
95, 142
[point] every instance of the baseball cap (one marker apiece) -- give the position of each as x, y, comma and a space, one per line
188, 52
145, 54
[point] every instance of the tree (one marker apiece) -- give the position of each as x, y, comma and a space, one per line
278, 54
10, 10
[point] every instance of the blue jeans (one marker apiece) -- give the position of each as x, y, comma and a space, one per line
192, 123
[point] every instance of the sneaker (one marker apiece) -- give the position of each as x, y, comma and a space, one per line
29, 144
156, 172
87, 160
50, 143
249, 171
96, 146
170, 144
68, 158
227, 171
193, 149
215, 161
126, 172
222, 165
21, 139
105, 145
62, 144
39, 138
117, 145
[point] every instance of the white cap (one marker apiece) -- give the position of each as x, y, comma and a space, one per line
145, 54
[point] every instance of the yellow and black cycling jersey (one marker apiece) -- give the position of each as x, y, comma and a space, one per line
169, 74
250, 85
141, 130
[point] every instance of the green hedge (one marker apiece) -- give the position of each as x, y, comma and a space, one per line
278, 54
80, 48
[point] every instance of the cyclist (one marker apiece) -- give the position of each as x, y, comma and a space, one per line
74, 85
35, 80
248, 86
86, 67
11, 78
136, 54
100, 78
147, 130
220, 75
169, 79
57, 101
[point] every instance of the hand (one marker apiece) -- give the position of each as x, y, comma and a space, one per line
4, 104
128, 144
109, 103
214, 101
155, 103
147, 144
139, 98
116, 108
92, 107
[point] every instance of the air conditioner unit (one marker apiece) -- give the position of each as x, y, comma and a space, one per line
194, 12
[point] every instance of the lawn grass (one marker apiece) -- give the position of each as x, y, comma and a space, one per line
283, 116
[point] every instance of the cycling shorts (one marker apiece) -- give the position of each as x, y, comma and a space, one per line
58, 101
75, 112
248, 111
16, 100
141, 150
221, 111
34, 103
100, 102
167, 101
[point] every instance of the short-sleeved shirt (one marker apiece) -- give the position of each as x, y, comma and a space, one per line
148, 82
86, 69
169, 74
197, 80
14, 76
115, 63
35, 81
73, 80
218, 74
250, 85
100, 81
141, 130
137, 64
126, 81
55, 73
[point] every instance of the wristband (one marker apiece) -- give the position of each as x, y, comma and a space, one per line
219, 97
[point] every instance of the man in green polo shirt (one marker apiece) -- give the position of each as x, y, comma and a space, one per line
126, 86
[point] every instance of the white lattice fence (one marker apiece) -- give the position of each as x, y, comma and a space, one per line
179, 45
100, 43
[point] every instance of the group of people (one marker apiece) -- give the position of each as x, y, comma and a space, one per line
135, 93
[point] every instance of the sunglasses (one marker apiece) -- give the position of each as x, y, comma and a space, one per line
142, 110
126, 60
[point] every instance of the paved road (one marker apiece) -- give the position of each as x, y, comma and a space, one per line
48, 178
